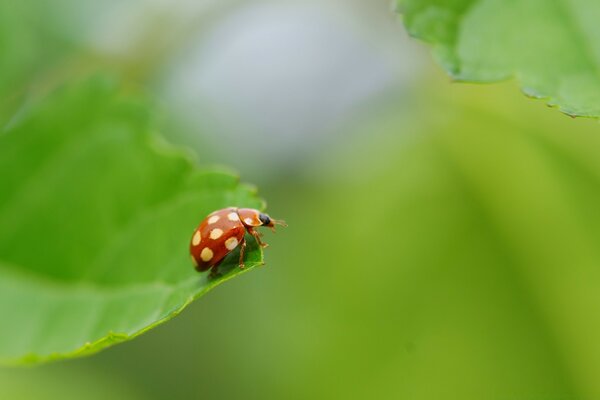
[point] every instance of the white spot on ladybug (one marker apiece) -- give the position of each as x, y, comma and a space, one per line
231, 243
194, 261
213, 219
196, 239
206, 254
233, 216
216, 233
248, 221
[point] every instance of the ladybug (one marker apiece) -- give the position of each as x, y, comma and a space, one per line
224, 230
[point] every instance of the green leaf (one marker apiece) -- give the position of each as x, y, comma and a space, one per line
96, 216
551, 47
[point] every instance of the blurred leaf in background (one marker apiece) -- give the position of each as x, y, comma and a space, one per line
27, 41
551, 47
27, 46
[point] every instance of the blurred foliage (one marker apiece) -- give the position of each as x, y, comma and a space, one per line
21, 30
460, 264
82, 384
34, 52
97, 215
551, 47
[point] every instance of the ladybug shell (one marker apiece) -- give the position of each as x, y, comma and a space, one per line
218, 234
250, 217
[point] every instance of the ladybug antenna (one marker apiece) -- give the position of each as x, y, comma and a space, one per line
277, 222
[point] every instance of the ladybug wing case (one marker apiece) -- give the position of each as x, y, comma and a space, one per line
220, 233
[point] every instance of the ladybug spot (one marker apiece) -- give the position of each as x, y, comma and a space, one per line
196, 239
216, 233
233, 216
231, 243
206, 254
213, 219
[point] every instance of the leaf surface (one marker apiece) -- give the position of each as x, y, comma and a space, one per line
551, 47
96, 216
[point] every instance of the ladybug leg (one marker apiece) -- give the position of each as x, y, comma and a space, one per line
257, 236
242, 253
214, 270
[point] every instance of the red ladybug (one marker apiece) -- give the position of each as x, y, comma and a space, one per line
222, 231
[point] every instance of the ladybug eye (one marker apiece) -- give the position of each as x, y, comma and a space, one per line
264, 218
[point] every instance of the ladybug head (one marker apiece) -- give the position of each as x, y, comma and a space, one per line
270, 222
